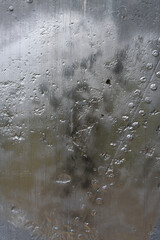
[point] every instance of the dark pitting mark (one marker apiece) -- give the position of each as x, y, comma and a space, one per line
108, 81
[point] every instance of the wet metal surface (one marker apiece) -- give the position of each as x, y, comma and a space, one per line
80, 119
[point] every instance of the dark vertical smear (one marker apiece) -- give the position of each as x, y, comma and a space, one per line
124, 134
71, 72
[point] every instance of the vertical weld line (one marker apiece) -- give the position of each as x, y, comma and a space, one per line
134, 115
144, 94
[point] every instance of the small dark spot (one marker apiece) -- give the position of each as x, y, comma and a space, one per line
158, 130
123, 17
102, 115
85, 183
88, 164
13, 208
66, 192
108, 81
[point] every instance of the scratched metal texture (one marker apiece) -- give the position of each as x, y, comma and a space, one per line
79, 119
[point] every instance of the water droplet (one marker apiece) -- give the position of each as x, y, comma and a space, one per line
11, 8
93, 212
13, 209
29, 1
77, 219
118, 162
149, 66
95, 183
153, 87
80, 236
130, 137
101, 170
113, 144
143, 79
99, 201
89, 195
135, 125
131, 105
55, 228
105, 156
104, 188
63, 179
70, 147
158, 74
144, 124
148, 100
86, 224
124, 149
142, 112
150, 152
155, 53
125, 118
137, 92
83, 207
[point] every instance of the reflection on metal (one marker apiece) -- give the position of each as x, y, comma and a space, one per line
79, 119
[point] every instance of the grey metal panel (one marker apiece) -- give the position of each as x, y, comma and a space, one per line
79, 119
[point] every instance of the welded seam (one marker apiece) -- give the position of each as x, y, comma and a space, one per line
134, 114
